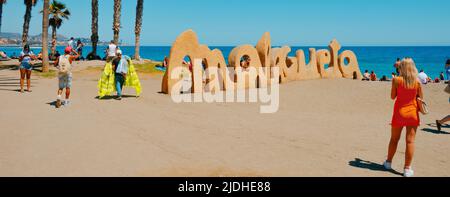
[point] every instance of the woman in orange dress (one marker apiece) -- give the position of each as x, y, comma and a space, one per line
405, 90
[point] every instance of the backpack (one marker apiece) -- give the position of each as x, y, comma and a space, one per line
64, 65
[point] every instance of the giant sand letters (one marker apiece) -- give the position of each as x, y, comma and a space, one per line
262, 57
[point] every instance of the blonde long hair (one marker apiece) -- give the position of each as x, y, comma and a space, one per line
408, 72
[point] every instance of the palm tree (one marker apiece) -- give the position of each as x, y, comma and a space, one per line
1, 13
58, 12
26, 19
116, 23
94, 27
138, 28
45, 21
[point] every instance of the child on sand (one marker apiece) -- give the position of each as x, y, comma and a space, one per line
405, 90
64, 63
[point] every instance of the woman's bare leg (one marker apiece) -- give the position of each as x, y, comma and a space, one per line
410, 138
28, 73
396, 133
22, 78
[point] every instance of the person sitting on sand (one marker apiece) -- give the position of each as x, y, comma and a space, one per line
39, 56
423, 78
405, 90
441, 76
373, 76
111, 51
366, 76
64, 63
26, 66
384, 78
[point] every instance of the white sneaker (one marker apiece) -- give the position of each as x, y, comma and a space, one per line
387, 165
408, 173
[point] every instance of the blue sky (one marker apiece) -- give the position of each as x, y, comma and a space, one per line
234, 22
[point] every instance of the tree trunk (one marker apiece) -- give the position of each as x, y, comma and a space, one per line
26, 23
116, 23
138, 28
45, 62
53, 41
94, 27
1, 14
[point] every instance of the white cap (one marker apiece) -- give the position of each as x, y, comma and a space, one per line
119, 52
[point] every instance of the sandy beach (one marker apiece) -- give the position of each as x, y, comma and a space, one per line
336, 127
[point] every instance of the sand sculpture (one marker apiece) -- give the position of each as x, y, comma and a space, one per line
263, 58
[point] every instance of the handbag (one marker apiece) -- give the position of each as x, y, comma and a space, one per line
423, 107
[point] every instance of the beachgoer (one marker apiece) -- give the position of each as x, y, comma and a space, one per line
245, 62
120, 67
366, 76
111, 51
79, 49
26, 66
64, 63
39, 56
405, 90
441, 76
384, 78
165, 62
72, 43
423, 78
373, 76
447, 69
3, 55
396, 65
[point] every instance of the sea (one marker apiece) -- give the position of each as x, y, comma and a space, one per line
379, 59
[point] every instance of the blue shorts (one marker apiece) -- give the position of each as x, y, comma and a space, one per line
65, 81
25, 65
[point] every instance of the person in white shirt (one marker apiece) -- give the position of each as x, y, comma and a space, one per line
72, 43
111, 51
423, 78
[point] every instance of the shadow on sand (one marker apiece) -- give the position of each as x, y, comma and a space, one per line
114, 97
435, 131
359, 163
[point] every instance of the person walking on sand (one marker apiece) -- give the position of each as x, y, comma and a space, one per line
120, 67
405, 90
64, 63
26, 66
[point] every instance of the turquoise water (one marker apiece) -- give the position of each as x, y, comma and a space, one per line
379, 59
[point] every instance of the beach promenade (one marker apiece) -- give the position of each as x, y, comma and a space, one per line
330, 127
